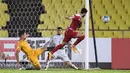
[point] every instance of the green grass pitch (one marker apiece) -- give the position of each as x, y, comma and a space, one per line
62, 71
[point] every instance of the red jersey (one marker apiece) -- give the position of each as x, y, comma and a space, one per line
76, 22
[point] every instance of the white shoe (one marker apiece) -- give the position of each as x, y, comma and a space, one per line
22, 68
46, 69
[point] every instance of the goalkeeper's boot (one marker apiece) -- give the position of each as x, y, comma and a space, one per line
49, 56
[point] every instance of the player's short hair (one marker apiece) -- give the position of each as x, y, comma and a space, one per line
84, 10
58, 28
21, 32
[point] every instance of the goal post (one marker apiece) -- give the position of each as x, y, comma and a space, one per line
87, 36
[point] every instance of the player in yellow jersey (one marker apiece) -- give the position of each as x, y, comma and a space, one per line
31, 54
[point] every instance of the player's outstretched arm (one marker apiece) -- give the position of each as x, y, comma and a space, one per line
69, 17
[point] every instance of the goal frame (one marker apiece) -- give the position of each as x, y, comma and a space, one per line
87, 36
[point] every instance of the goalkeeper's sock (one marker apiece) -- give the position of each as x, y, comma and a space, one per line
47, 65
79, 40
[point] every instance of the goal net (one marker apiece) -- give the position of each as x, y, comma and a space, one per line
39, 18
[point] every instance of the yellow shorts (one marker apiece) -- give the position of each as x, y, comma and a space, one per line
34, 58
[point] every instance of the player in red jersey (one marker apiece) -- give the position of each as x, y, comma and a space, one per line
72, 32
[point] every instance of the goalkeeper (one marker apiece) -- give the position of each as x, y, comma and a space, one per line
60, 54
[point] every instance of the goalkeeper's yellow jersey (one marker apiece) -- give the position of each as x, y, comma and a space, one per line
25, 47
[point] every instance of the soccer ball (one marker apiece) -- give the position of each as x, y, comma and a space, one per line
105, 19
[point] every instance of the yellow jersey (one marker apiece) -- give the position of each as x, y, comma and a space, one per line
24, 46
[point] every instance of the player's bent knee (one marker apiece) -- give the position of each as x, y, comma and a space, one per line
82, 37
37, 66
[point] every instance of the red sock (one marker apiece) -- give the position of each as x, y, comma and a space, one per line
79, 40
56, 48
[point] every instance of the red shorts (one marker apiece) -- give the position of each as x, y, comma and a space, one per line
69, 34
